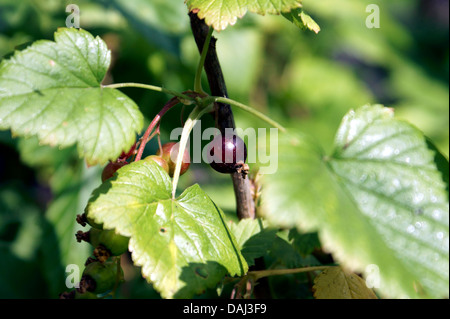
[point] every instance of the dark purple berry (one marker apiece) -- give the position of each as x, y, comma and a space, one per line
227, 153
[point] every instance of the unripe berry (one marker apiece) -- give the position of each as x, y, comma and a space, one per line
159, 160
83, 219
170, 154
116, 244
99, 278
93, 224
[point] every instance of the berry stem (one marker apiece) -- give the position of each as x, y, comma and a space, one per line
172, 102
258, 274
159, 138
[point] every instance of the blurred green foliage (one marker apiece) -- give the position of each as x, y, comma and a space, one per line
297, 77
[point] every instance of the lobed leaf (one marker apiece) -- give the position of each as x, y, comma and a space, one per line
53, 90
378, 200
183, 244
304, 244
284, 253
253, 237
221, 13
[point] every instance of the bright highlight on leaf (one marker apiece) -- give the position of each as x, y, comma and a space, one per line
302, 20
221, 13
53, 90
182, 245
379, 199
335, 283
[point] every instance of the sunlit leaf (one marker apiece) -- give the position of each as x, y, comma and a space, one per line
302, 20
221, 13
183, 245
53, 90
379, 199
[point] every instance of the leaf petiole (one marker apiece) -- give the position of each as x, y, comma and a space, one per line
258, 274
198, 76
145, 138
181, 96
265, 118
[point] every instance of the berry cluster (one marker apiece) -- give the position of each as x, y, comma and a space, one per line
165, 157
102, 272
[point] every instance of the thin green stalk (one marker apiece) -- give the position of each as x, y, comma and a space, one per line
198, 75
149, 87
248, 109
194, 116
258, 274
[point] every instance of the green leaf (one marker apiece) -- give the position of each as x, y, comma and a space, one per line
302, 20
304, 243
379, 199
253, 238
441, 163
53, 90
285, 254
220, 13
183, 244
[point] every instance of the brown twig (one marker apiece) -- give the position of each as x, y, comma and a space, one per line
245, 207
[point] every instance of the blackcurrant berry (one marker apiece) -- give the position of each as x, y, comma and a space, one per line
111, 169
170, 154
226, 153
160, 161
